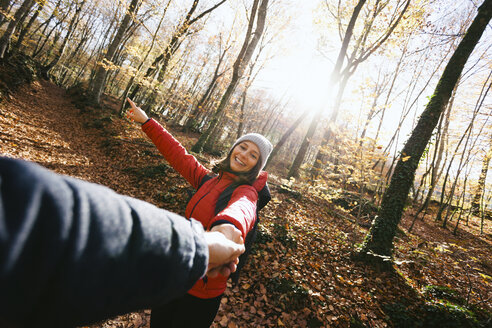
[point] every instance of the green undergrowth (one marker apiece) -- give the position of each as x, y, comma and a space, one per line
289, 295
443, 307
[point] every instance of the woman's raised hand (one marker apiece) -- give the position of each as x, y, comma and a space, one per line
136, 113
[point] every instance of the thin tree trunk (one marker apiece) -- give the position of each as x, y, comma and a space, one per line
468, 132
74, 57
328, 133
285, 136
463, 194
475, 206
353, 62
390, 91
160, 64
132, 79
334, 77
193, 117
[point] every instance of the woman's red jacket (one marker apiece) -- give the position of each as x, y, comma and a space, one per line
240, 211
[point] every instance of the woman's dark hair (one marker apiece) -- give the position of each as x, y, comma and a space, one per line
244, 177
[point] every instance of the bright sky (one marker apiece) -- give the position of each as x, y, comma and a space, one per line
299, 74
299, 71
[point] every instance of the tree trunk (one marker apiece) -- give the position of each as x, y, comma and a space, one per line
99, 80
249, 45
7, 35
4, 6
477, 198
379, 240
284, 137
26, 28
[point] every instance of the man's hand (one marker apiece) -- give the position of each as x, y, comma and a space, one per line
223, 253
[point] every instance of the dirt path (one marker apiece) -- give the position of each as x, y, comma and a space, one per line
40, 124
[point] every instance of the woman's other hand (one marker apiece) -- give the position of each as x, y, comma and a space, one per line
136, 113
230, 231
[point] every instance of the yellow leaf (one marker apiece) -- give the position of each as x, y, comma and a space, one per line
280, 323
246, 286
486, 277
406, 158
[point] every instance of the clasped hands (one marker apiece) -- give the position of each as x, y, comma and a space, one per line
225, 244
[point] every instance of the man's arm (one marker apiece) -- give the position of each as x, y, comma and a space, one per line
73, 252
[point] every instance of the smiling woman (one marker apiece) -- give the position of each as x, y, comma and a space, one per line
241, 169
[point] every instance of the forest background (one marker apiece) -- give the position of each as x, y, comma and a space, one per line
341, 89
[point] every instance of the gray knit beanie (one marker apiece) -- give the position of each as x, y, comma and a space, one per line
263, 144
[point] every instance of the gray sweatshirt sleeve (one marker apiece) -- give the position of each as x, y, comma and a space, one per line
73, 252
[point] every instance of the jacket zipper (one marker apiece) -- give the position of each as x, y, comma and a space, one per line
205, 279
194, 206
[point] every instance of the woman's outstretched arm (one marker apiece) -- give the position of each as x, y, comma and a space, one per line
172, 150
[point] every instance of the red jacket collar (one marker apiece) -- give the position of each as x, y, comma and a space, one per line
259, 183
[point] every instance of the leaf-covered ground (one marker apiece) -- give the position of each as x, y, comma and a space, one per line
301, 273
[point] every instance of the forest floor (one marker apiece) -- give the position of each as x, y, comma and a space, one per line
301, 273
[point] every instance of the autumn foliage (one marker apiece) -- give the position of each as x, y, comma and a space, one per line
301, 273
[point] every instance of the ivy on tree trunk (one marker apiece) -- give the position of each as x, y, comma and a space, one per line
379, 240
